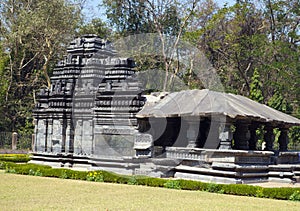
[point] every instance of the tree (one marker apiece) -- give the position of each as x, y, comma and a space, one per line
95, 26
128, 17
282, 62
231, 38
166, 18
256, 88
4, 61
244, 38
278, 102
34, 34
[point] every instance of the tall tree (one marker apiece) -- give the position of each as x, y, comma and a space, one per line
252, 35
230, 40
34, 33
281, 64
95, 26
168, 19
128, 17
256, 88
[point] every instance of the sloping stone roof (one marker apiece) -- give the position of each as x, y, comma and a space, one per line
206, 103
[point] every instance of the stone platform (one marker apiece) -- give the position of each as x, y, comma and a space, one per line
218, 166
233, 166
153, 167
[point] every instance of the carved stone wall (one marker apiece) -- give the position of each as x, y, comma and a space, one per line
91, 104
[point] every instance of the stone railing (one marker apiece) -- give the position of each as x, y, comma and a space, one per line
184, 154
225, 156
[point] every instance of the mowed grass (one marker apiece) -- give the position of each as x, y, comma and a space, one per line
18, 192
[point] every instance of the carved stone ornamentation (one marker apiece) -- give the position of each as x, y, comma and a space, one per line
89, 88
225, 135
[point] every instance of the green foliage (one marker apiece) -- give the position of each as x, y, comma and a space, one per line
132, 181
255, 50
172, 184
34, 35
10, 170
294, 137
213, 188
256, 88
278, 193
259, 193
241, 190
64, 175
152, 182
295, 196
278, 102
4, 83
192, 185
16, 158
95, 26
96, 176
35, 172
128, 17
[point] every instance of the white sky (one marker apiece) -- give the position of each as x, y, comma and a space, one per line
93, 11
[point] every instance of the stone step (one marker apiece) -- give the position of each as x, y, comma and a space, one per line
223, 172
281, 180
207, 178
284, 167
297, 173
236, 167
253, 174
218, 179
205, 171
113, 164
281, 174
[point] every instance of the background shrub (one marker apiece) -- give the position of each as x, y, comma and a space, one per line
295, 196
16, 158
192, 185
173, 184
132, 181
278, 193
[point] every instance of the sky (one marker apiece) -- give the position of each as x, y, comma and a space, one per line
93, 11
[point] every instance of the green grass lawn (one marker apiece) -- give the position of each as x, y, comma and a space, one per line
18, 192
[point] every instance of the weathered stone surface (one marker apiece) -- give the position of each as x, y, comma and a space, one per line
87, 120
207, 178
93, 92
288, 158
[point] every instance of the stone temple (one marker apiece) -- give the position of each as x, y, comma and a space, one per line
96, 116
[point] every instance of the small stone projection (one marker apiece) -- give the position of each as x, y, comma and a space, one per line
95, 116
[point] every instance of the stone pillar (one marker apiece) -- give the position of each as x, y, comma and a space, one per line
41, 133
212, 134
78, 137
87, 137
49, 135
33, 142
225, 135
35, 123
253, 136
269, 138
56, 136
283, 139
46, 135
241, 136
14, 141
69, 138
192, 132
63, 134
